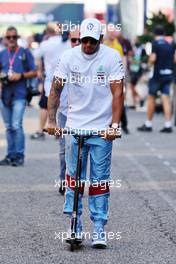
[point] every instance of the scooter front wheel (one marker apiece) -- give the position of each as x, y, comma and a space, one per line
72, 245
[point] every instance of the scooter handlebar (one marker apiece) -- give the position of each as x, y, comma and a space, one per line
77, 132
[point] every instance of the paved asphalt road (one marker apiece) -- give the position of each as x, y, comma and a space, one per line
143, 209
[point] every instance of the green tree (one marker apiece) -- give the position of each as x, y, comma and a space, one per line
151, 23
160, 19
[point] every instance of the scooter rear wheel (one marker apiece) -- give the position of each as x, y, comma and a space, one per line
72, 245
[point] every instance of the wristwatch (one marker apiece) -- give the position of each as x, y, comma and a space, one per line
115, 125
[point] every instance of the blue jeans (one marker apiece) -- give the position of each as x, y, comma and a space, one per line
100, 151
13, 120
61, 121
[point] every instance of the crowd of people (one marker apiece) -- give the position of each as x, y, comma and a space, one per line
54, 69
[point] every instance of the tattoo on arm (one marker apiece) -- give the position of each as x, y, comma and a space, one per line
54, 99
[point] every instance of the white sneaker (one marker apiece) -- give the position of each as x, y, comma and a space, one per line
99, 237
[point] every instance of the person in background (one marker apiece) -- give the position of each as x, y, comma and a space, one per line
126, 45
49, 50
2, 44
16, 67
135, 68
162, 59
112, 42
34, 83
62, 115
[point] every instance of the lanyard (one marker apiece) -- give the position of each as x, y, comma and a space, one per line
11, 60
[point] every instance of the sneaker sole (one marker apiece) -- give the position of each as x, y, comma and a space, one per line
17, 165
144, 130
38, 139
166, 132
99, 245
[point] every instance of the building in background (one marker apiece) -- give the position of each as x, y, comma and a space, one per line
32, 14
133, 17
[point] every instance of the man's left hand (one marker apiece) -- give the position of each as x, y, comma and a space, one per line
14, 77
111, 133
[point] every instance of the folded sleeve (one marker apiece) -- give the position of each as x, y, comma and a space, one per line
116, 68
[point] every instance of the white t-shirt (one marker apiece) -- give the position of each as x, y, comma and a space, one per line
51, 49
89, 93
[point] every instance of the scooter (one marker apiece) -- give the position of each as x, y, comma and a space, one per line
73, 241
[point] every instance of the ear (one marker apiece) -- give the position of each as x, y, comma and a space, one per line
101, 38
99, 41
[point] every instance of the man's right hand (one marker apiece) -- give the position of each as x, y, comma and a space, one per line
54, 130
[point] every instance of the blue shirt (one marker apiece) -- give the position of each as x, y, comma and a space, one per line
23, 62
163, 67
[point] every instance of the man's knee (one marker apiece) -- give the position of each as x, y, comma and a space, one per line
8, 126
16, 126
151, 97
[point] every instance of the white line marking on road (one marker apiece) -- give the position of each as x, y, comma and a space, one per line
8, 188
173, 170
147, 144
152, 149
160, 156
166, 163
146, 174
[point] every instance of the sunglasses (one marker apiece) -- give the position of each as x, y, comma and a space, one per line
92, 41
14, 37
74, 40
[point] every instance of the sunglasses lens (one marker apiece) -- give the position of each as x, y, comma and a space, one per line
11, 37
92, 41
74, 40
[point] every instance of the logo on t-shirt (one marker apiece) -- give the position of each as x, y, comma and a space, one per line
76, 68
101, 75
75, 77
100, 68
